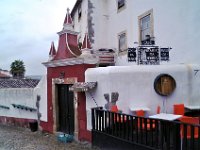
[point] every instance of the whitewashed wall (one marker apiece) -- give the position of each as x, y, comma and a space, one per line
26, 97
176, 24
41, 90
20, 96
135, 85
81, 25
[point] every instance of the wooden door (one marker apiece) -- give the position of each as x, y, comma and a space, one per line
66, 109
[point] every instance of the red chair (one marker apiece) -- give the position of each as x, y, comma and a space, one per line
158, 109
141, 113
120, 119
179, 109
190, 120
114, 108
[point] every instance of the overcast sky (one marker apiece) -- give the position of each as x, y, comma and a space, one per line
27, 28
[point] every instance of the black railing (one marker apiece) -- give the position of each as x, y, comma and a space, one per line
141, 132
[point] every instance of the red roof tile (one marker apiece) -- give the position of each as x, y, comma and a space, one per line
67, 47
18, 83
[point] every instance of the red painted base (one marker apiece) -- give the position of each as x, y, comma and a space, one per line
15, 121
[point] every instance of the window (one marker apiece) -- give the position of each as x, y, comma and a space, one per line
79, 42
164, 84
122, 41
79, 12
120, 4
146, 31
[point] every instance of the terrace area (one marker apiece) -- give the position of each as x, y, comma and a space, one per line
113, 130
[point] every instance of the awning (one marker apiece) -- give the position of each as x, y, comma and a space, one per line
83, 86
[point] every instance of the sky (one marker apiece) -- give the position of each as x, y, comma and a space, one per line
27, 28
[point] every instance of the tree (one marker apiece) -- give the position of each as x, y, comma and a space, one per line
17, 69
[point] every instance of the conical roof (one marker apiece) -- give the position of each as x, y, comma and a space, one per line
52, 51
86, 42
68, 18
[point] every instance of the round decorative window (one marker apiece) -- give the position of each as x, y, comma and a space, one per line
164, 84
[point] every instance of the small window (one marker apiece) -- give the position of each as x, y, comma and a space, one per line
164, 84
146, 30
122, 42
120, 4
145, 27
79, 12
79, 42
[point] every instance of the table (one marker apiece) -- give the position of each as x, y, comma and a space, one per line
193, 111
165, 116
166, 133
139, 108
192, 107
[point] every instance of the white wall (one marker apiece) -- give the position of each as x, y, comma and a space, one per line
176, 24
20, 96
100, 23
81, 25
135, 85
26, 97
41, 90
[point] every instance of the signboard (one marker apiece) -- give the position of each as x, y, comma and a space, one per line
148, 55
152, 54
164, 54
131, 54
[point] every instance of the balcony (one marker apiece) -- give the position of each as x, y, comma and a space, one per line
106, 57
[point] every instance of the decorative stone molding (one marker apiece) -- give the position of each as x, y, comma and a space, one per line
64, 62
64, 81
55, 81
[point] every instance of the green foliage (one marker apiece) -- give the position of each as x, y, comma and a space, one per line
17, 69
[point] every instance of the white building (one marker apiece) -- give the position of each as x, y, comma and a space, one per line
118, 24
123, 24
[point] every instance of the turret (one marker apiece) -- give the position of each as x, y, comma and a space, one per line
86, 50
52, 51
68, 23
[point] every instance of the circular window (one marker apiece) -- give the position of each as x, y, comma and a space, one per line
164, 84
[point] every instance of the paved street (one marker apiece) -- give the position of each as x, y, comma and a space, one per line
16, 138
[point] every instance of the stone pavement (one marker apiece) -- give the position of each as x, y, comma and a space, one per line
17, 138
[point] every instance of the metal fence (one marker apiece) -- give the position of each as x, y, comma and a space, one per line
121, 131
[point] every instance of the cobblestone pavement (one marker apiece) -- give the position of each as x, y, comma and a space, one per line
16, 138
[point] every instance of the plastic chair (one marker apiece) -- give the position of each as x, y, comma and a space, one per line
120, 119
190, 120
114, 108
179, 109
158, 109
141, 113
